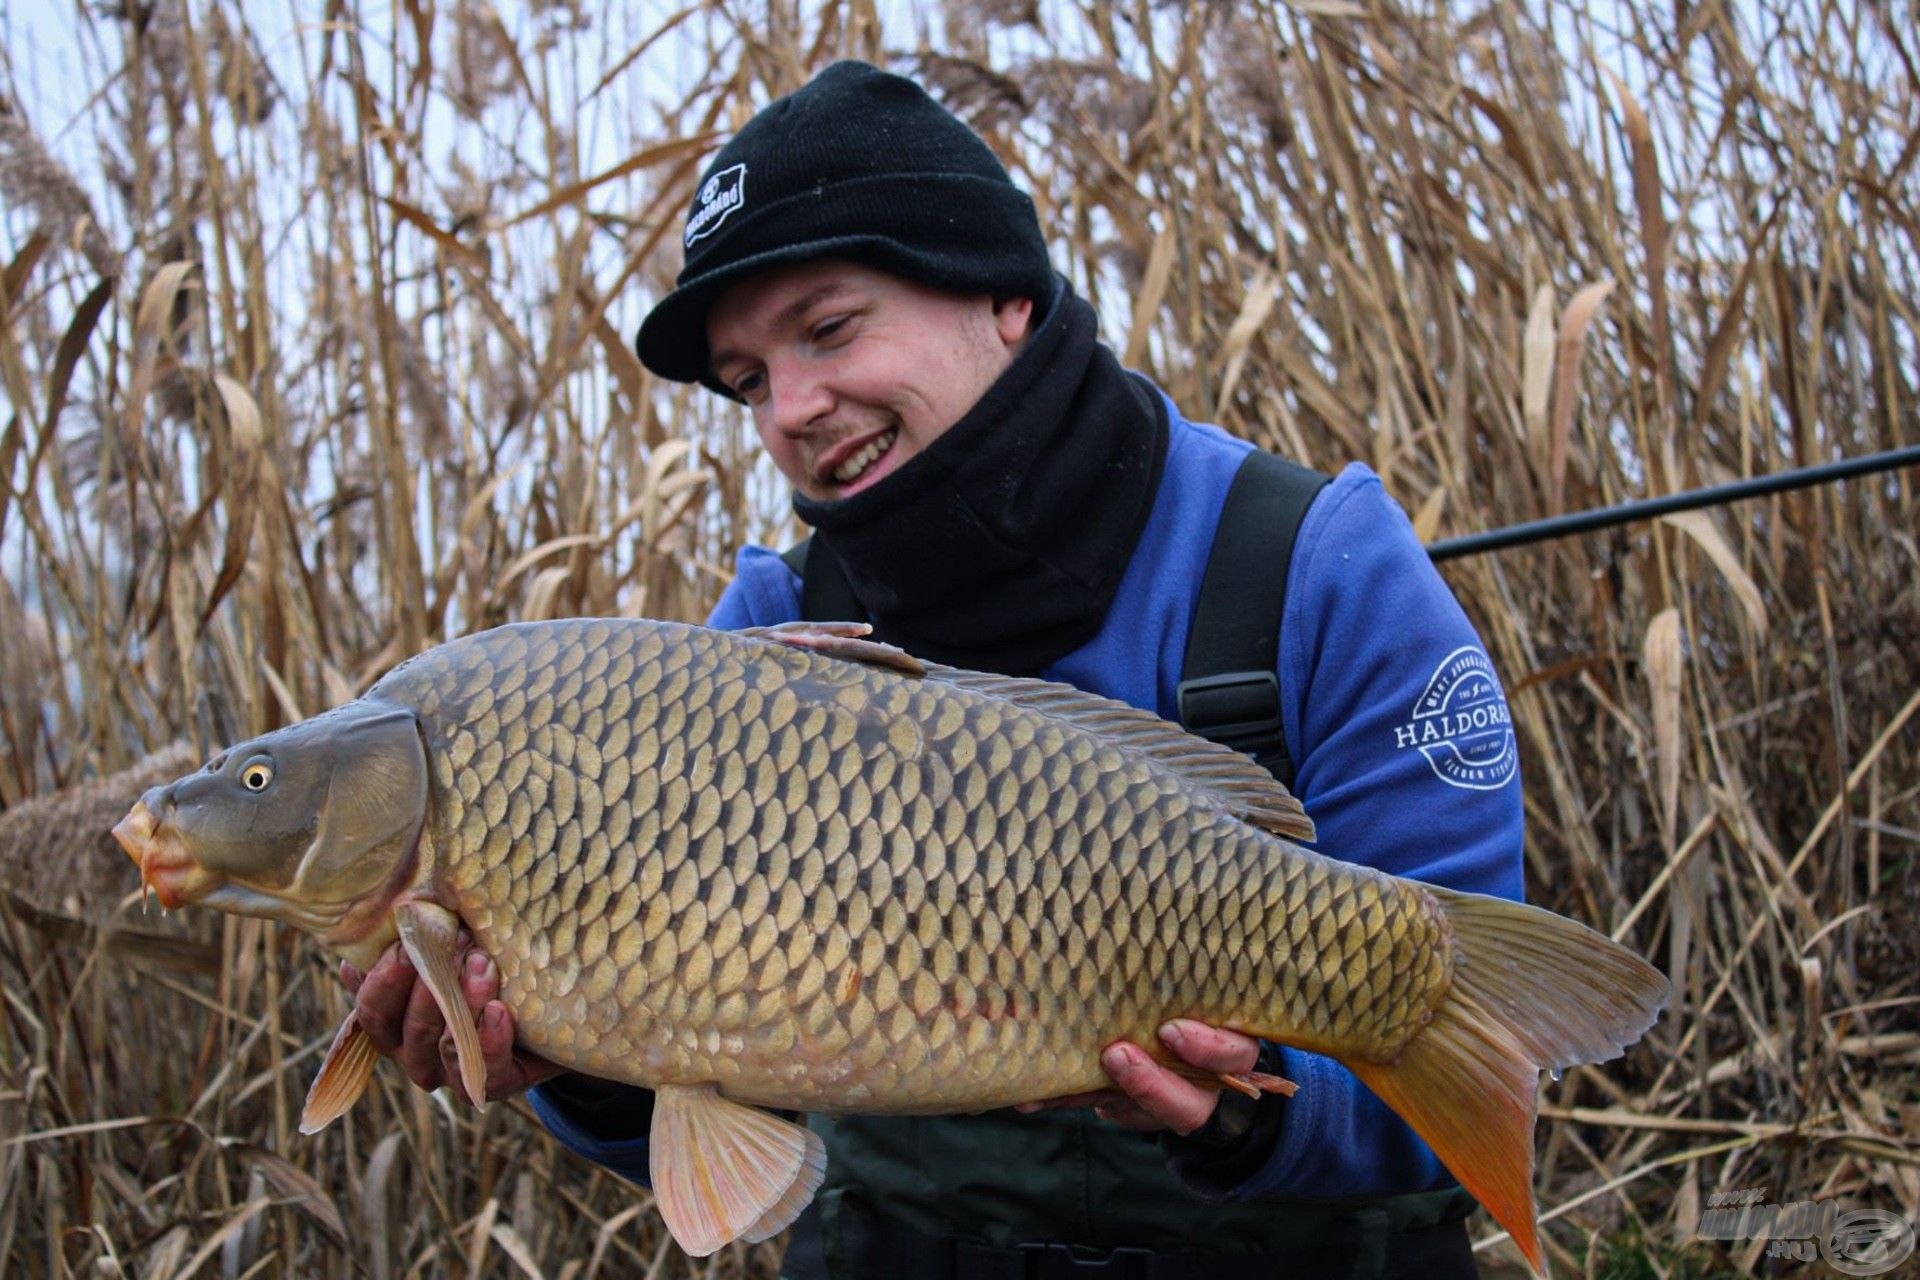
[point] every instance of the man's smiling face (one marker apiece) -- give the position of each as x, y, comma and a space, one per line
850, 371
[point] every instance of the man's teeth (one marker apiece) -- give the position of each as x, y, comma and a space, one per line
849, 471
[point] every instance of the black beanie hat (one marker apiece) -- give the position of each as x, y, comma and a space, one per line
858, 164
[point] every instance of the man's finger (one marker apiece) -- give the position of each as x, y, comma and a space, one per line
479, 980
1210, 1048
381, 1000
1174, 1103
496, 1049
421, 1030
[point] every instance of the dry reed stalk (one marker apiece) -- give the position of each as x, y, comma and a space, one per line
316, 351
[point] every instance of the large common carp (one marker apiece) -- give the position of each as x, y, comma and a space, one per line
794, 868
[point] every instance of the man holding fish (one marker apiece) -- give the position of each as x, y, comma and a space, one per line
995, 494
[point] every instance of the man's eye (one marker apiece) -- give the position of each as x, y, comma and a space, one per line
749, 384
828, 328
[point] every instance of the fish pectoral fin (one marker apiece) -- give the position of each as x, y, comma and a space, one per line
838, 640
343, 1077
725, 1171
431, 933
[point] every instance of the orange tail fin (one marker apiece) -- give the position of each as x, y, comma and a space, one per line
1532, 991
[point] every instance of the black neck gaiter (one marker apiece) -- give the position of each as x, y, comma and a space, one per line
1000, 546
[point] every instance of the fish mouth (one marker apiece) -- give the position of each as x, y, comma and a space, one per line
173, 876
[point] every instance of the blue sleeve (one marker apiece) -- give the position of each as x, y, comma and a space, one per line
1405, 760
626, 1157
764, 591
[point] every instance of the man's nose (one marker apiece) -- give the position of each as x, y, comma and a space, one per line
799, 396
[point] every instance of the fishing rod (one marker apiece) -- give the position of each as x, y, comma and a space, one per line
1651, 508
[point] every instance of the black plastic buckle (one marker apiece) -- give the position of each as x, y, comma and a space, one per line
1240, 709
1049, 1261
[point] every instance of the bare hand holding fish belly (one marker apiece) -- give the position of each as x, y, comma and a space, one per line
790, 868
401, 1019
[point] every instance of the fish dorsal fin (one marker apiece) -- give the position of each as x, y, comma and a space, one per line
1249, 791
1253, 794
845, 640
724, 1171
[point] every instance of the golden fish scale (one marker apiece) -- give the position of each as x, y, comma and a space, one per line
702, 857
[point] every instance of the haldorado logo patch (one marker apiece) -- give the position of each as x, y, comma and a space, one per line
1461, 724
720, 195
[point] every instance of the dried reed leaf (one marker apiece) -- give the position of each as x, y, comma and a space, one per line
1426, 521
300, 1188
375, 1217
156, 300
1699, 526
481, 1236
73, 344
1153, 288
543, 593
20, 267
1662, 653
1653, 219
679, 148
1536, 367
515, 1248
1574, 322
1258, 305
603, 1238
231, 1227
240, 485
457, 249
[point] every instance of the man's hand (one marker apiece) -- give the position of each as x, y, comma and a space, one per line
401, 1019
1148, 1096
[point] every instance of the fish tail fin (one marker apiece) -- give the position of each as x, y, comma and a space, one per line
1532, 991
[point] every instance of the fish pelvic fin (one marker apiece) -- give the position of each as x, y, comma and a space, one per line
431, 935
1531, 991
724, 1171
343, 1077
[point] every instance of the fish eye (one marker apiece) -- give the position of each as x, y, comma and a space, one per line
257, 774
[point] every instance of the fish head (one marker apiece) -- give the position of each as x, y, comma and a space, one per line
316, 824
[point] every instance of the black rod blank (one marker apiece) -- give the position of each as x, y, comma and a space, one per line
1652, 508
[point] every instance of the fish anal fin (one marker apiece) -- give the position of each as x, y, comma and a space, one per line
431, 933
845, 640
1234, 780
343, 1077
724, 1171
1251, 1083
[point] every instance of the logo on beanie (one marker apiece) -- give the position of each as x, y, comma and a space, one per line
720, 195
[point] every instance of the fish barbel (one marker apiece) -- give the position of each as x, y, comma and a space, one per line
793, 868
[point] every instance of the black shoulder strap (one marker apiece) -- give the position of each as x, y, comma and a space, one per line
1228, 688
825, 593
